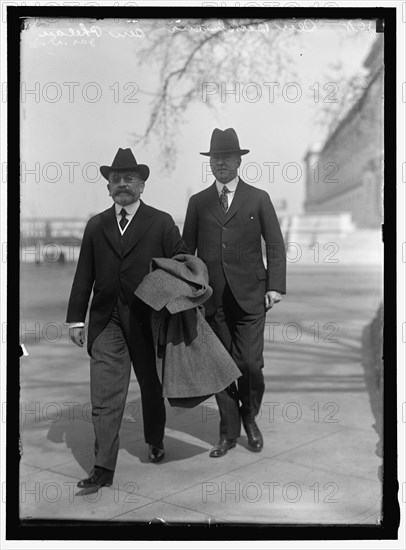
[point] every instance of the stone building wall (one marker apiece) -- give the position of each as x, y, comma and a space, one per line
349, 174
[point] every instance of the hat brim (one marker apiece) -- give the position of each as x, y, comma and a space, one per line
240, 151
143, 169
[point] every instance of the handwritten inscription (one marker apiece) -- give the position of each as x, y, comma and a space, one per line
82, 31
88, 35
220, 26
299, 26
360, 26
137, 33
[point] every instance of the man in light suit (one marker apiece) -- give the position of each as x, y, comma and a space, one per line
118, 245
224, 223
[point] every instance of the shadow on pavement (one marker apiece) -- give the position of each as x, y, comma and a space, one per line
76, 434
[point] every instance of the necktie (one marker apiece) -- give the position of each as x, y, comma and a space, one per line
224, 199
123, 222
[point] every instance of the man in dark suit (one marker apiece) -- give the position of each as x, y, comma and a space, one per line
118, 245
224, 223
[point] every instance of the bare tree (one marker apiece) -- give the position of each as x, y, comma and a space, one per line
344, 96
190, 54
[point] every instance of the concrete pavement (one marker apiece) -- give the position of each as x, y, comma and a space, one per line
318, 464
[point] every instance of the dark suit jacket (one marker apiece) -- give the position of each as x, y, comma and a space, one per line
109, 261
230, 245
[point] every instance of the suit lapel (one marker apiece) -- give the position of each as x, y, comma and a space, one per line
213, 203
241, 194
110, 228
138, 226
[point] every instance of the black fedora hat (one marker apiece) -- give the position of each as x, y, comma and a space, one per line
125, 160
224, 141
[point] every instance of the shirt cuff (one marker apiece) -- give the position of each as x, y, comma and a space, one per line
76, 325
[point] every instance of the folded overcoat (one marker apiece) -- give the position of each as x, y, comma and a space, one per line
191, 361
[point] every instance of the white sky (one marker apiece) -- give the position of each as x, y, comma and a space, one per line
80, 131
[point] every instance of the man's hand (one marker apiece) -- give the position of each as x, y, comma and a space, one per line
77, 336
272, 297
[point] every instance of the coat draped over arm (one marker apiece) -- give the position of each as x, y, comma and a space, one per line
192, 363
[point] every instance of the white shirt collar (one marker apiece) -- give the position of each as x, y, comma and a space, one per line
231, 185
131, 209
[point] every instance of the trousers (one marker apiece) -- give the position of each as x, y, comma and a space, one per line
125, 340
242, 334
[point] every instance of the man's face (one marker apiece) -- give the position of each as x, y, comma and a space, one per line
125, 187
225, 166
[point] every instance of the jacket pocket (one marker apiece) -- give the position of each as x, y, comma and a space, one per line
261, 274
250, 219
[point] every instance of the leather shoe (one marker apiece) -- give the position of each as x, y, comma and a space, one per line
222, 447
99, 477
255, 440
156, 452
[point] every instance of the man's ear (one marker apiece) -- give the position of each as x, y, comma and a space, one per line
108, 187
142, 187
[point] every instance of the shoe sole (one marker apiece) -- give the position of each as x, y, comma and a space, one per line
156, 460
98, 486
224, 454
255, 449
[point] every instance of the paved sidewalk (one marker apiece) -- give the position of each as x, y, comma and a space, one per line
318, 464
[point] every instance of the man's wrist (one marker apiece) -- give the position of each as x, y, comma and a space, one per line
76, 325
